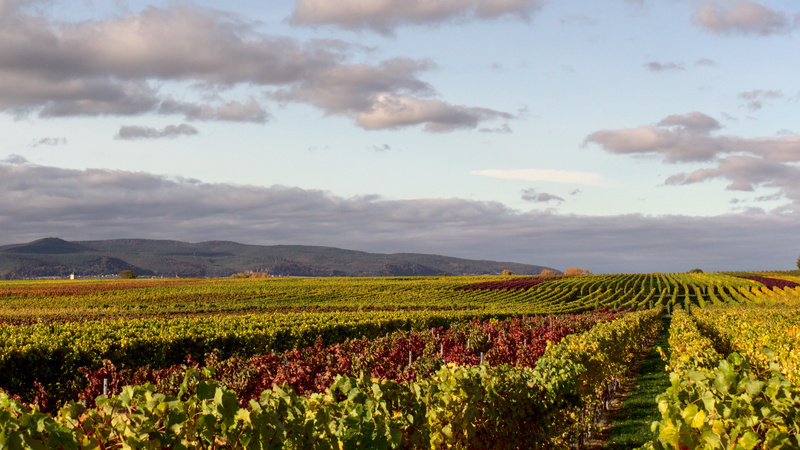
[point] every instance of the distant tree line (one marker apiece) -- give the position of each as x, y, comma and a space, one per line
250, 275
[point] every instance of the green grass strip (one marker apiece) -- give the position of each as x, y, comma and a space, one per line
631, 426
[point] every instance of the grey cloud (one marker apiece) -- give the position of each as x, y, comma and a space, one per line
687, 138
755, 99
768, 198
347, 89
694, 122
7, 7
42, 201
14, 160
530, 195
578, 19
383, 17
746, 173
103, 67
747, 163
662, 67
49, 141
22, 94
111, 67
130, 132
437, 116
673, 145
168, 44
233, 111
381, 148
706, 62
742, 17
502, 129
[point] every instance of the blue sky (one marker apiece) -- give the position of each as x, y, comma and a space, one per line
615, 136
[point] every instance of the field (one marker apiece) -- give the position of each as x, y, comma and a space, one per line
413, 362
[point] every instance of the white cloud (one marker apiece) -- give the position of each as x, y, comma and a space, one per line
557, 176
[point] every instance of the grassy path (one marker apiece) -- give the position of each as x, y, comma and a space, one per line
630, 424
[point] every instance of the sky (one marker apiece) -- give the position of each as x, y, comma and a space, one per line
614, 136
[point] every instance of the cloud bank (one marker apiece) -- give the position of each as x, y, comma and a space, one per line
748, 163
118, 67
95, 204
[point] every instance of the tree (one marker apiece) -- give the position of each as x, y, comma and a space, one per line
127, 274
696, 271
547, 273
576, 271
507, 272
798, 262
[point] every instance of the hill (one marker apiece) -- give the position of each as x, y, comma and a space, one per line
57, 257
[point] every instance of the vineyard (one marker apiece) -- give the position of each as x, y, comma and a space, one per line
411, 362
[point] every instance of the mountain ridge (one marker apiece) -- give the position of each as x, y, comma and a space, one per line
55, 257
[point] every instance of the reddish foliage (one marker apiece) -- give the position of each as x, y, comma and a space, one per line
118, 378
68, 289
519, 341
772, 282
519, 283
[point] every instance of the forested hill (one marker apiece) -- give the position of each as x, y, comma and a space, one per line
57, 257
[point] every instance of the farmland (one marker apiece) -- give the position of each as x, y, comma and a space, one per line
404, 362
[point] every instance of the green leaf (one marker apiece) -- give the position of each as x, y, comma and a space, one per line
749, 440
